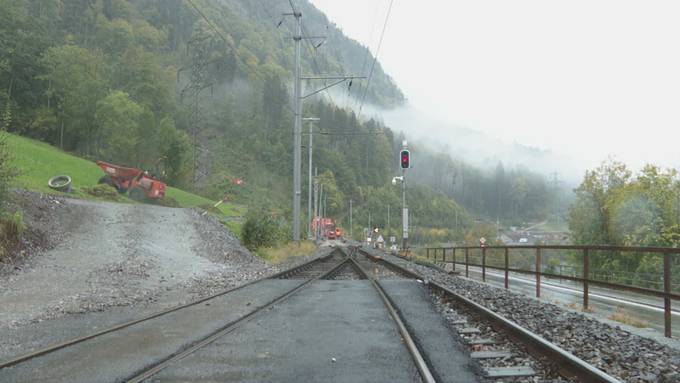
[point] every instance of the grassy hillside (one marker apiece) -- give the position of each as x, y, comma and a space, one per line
37, 162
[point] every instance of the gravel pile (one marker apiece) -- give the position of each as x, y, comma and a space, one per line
619, 353
87, 256
42, 231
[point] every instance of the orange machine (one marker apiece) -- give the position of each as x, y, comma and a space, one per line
137, 183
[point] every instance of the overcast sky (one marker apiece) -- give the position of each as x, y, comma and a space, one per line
585, 78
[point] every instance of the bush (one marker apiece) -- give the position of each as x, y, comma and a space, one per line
263, 229
7, 170
103, 191
11, 228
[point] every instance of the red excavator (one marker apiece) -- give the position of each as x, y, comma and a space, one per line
137, 183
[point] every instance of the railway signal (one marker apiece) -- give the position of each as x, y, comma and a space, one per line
405, 159
405, 162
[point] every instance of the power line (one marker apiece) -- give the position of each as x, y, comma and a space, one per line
368, 50
375, 58
219, 33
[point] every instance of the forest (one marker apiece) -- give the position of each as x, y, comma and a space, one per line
199, 92
616, 206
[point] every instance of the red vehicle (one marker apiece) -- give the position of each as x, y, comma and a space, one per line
137, 183
326, 227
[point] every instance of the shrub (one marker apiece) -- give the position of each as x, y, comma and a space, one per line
263, 229
7, 171
11, 228
103, 191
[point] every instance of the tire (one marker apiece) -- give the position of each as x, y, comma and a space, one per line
137, 194
60, 183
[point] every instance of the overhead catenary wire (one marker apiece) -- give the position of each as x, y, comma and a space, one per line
375, 57
368, 49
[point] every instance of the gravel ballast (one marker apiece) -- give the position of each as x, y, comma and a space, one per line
624, 355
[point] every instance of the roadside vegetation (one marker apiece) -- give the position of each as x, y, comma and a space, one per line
266, 233
264, 228
616, 206
11, 224
622, 316
285, 251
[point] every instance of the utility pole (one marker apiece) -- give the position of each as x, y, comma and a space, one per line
297, 130
297, 103
309, 187
556, 188
316, 202
350, 218
318, 226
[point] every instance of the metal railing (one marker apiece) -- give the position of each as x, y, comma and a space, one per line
441, 253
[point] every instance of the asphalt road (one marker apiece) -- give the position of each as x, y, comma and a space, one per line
603, 302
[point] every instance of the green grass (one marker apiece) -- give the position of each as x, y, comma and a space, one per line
283, 252
37, 162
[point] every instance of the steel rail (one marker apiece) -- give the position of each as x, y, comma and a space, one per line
418, 359
70, 342
228, 328
569, 366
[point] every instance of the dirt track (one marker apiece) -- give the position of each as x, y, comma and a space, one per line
97, 255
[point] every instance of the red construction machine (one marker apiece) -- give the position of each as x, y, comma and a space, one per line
326, 227
137, 183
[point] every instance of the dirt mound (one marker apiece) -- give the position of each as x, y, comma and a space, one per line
83, 256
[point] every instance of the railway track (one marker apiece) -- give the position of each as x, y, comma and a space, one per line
66, 357
306, 273
487, 335
493, 341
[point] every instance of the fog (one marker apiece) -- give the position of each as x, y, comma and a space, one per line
579, 81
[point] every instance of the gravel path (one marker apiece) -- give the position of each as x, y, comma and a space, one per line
96, 255
619, 353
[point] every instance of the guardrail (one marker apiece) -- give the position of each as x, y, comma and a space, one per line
585, 279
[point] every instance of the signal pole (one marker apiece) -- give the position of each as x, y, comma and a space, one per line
404, 214
404, 211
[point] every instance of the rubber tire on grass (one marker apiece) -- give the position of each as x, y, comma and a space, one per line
137, 194
60, 183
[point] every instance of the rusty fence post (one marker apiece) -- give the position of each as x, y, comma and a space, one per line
467, 265
538, 272
667, 292
454, 259
427, 252
444, 256
484, 264
586, 278
506, 267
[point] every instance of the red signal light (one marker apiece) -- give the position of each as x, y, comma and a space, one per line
405, 159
